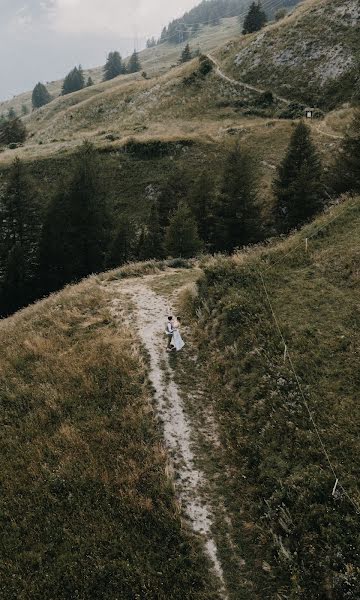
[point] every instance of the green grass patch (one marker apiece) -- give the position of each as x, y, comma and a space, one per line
296, 538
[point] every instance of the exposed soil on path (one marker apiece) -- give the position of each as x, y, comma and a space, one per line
240, 83
149, 311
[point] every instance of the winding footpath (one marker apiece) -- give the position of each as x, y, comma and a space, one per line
150, 310
220, 73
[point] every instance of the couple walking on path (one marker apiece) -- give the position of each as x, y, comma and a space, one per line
175, 341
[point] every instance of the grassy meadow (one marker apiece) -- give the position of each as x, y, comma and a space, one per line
87, 508
291, 536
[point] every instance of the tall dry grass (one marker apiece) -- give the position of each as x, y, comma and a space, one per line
86, 509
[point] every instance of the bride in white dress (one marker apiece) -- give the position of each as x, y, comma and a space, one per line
177, 340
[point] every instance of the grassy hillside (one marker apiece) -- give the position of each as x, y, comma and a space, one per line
311, 56
155, 61
86, 509
295, 539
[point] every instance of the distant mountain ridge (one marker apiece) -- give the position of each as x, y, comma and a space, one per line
210, 12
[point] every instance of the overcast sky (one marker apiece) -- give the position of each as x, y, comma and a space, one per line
40, 40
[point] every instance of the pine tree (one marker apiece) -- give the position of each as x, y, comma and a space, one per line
12, 131
19, 235
152, 240
114, 66
74, 81
14, 289
12, 113
175, 188
151, 42
90, 82
76, 229
255, 19
237, 214
201, 202
186, 54
134, 65
346, 172
122, 246
182, 239
298, 186
40, 96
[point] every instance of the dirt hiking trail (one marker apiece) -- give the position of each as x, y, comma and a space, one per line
148, 311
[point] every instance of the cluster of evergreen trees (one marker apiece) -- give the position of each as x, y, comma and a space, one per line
115, 66
75, 80
79, 233
12, 129
208, 12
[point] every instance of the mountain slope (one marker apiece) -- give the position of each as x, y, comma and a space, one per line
86, 504
311, 56
155, 61
295, 537
87, 508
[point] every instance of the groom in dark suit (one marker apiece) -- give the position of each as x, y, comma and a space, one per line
170, 333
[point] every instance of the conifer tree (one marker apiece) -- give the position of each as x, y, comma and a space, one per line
14, 289
298, 185
76, 229
201, 202
134, 65
182, 238
122, 246
114, 66
12, 113
186, 54
40, 96
346, 177
175, 188
12, 131
255, 19
90, 82
152, 240
151, 42
19, 235
74, 81
237, 214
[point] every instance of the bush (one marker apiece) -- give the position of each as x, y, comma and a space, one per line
266, 99
206, 65
280, 14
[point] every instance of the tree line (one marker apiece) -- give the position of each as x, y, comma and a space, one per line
79, 232
210, 12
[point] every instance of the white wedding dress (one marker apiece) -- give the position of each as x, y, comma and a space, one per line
177, 340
